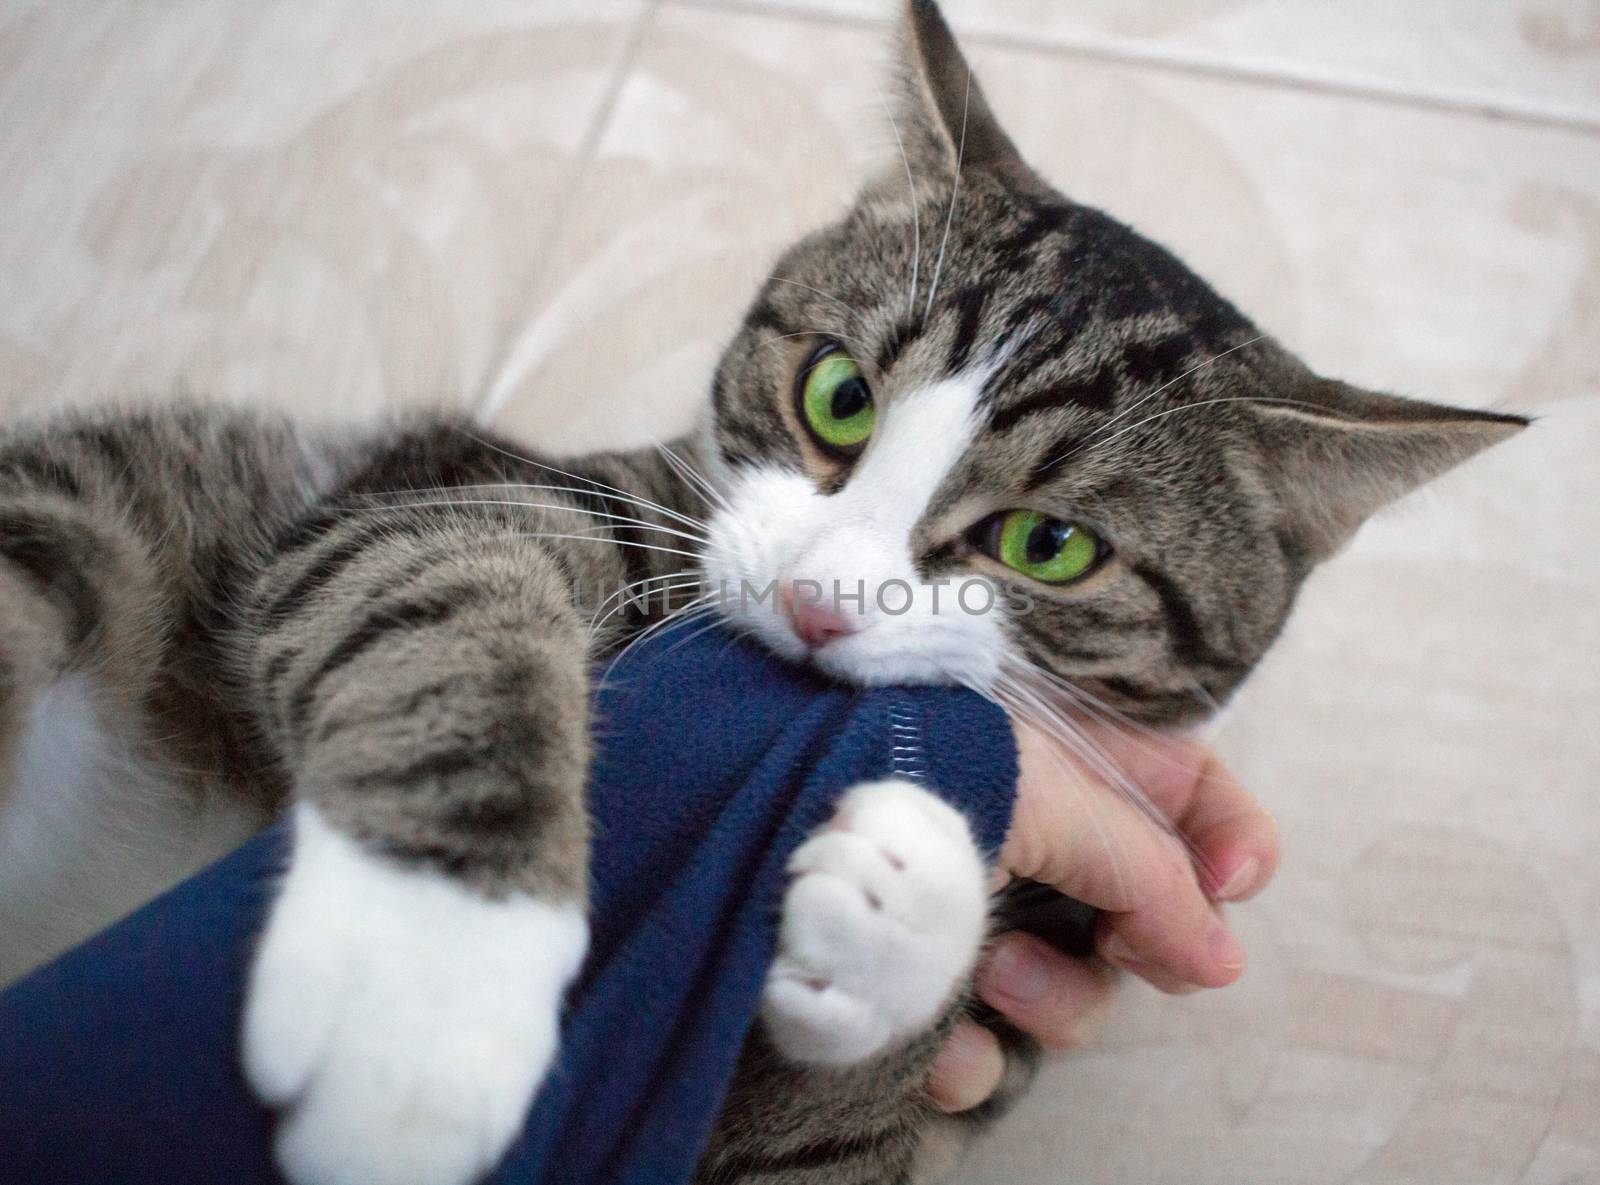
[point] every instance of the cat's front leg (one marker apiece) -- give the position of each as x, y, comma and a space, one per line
429, 694
882, 925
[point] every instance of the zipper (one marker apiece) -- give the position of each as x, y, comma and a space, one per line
906, 756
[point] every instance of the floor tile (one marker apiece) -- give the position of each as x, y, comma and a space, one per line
1410, 249
1536, 57
330, 206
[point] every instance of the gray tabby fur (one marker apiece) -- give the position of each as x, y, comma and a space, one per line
385, 625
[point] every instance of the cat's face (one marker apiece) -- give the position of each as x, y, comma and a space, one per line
985, 430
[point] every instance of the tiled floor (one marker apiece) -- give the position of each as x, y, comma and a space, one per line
551, 211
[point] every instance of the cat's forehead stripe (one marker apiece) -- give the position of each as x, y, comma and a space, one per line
922, 436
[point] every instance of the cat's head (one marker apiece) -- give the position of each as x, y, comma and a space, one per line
1026, 435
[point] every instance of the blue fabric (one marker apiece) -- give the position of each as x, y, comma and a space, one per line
118, 1062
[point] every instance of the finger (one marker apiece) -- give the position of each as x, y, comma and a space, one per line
1184, 940
1083, 837
1237, 839
1057, 1000
967, 1070
1190, 784
1075, 833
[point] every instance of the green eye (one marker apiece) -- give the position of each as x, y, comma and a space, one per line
1044, 548
835, 402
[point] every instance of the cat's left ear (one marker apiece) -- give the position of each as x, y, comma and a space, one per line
943, 114
1336, 453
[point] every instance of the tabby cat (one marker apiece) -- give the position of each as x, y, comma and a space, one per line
209, 616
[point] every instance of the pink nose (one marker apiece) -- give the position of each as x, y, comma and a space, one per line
815, 624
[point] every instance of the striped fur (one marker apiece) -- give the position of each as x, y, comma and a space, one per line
387, 627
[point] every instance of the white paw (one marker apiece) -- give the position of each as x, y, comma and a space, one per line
401, 1022
881, 924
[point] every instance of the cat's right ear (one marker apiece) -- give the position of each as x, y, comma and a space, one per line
1336, 453
941, 116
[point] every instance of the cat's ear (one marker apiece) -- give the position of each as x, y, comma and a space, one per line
943, 116
1337, 453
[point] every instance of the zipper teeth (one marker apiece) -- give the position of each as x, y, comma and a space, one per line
905, 749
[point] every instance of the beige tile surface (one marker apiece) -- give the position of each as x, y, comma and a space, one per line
1533, 57
332, 206
342, 205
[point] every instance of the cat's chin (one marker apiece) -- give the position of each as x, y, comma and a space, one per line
859, 662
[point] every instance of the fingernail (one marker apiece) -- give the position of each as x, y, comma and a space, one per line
1016, 972
1224, 947
968, 1069
1118, 952
1115, 949
1161, 981
1242, 880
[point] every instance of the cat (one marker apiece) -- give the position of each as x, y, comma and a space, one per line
209, 617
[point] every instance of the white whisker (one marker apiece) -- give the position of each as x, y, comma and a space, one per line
513, 504
604, 493
697, 608
916, 216
955, 192
1201, 365
709, 494
1035, 708
1096, 441
659, 509
642, 590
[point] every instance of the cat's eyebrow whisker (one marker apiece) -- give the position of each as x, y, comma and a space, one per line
1273, 400
515, 504
955, 192
855, 340
1170, 383
849, 315
845, 307
916, 216
856, 345
593, 484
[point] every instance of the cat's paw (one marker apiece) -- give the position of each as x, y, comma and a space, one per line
882, 922
400, 1022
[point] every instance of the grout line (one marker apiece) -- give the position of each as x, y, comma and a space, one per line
490, 399
1176, 60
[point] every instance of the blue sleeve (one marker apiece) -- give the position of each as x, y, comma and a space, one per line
118, 1062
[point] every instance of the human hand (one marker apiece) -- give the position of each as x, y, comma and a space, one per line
1071, 829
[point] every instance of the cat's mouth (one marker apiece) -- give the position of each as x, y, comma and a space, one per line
849, 639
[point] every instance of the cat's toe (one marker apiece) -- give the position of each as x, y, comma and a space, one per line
881, 924
817, 1022
401, 1023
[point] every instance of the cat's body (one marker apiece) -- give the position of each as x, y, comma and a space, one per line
162, 618
218, 615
